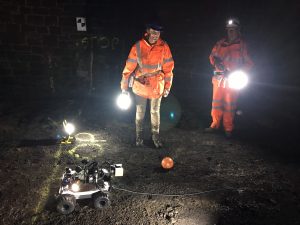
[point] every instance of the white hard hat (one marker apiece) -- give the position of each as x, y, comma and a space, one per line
233, 23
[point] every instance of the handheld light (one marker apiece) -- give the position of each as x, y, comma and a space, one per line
124, 101
237, 80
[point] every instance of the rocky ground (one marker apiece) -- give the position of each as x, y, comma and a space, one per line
252, 178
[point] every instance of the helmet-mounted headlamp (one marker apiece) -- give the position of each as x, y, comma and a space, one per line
233, 23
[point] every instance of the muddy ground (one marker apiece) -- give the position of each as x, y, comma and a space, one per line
252, 178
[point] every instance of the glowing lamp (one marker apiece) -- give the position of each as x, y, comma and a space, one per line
124, 101
69, 127
75, 187
237, 80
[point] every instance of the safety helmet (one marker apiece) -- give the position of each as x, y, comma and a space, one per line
233, 23
155, 26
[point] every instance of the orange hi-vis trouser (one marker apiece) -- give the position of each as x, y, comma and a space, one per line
224, 103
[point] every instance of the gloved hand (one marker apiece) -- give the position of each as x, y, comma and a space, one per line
166, 93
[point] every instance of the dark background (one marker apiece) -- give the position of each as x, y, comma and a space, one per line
43, 57
39, 43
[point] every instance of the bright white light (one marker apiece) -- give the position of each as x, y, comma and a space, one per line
75, 187
230, 22
69, 128
237, 80
124, 101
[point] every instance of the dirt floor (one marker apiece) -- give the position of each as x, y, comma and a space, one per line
252, 178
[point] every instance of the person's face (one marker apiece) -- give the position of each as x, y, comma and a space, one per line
153, 35
232, 34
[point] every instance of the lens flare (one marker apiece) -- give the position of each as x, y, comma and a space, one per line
172, 115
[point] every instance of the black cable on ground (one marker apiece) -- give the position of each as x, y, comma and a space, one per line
176, 195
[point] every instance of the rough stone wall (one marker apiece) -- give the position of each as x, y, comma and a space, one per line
43, 53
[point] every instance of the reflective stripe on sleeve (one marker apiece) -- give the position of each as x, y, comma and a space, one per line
168, 60
131, 60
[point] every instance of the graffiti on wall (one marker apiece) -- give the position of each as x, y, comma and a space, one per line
102, 41
97, 57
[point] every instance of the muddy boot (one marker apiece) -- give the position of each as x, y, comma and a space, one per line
139, 142
156, 140
210, 130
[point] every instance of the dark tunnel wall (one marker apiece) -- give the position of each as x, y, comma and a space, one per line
42, 53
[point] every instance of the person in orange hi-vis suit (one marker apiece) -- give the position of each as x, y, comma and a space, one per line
228, 54
149, 71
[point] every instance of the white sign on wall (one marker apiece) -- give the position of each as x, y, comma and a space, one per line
81, 23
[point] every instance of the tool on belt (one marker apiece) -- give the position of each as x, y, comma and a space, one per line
143, 79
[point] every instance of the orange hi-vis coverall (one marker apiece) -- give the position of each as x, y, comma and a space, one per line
234, 56
152, 69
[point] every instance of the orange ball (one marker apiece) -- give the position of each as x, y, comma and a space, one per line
167, 163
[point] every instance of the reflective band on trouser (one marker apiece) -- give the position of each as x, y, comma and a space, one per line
217, 104
216, 113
